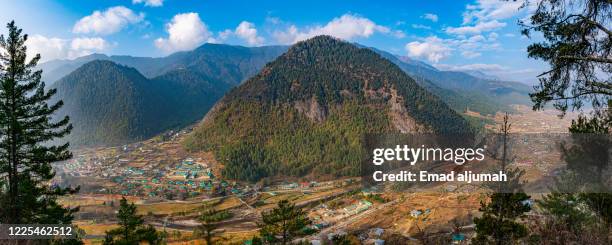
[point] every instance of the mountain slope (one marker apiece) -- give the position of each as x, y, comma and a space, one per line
505, 92
111, 104
461, 91
311, 107
231, 64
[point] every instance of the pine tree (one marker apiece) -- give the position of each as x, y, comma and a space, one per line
209, 219
26, 130
577, 44
131, 228
498, 224
283, 223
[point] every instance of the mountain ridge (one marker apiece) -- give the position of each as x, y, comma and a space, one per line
214, 60
112, 104
311, 107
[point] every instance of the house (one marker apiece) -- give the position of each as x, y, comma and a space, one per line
415, 213
379, 242
376, 231
458, 238
289, 186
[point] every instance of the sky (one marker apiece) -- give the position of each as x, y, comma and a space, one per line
480, 35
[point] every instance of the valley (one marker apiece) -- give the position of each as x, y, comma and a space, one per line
268, 140
305, 123
169, 185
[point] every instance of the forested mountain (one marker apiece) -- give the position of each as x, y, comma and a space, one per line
231, 64
461, 90
311, 106
111, 104
502, 91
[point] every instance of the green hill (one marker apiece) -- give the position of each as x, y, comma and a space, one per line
227, 63
307, 111
111, 104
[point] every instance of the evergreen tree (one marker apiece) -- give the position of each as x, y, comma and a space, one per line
564, 205
209, 219
26, 130
498, 224
131, 228
577, 45
590, 159
283, 223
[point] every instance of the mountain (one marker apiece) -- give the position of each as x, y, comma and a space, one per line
111, 104
462, 90
307, 111
504, 92
480, 74
55, 69
231, 64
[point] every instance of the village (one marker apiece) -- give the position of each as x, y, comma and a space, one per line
170, 185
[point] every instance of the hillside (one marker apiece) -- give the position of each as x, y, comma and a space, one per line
234, 64
502, 91
231, 64
311, 107
111, 104
462, 90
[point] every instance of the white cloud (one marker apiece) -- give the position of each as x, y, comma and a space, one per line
185, 32
273, 20
475, 29
432, 48
493, 36
487, 10
57, 48
430, 16
246, 30
435, 49
48, 48
150, 3
224, 35
346, 27
110, 21
398, 34
419, 26
94, 43
470, 54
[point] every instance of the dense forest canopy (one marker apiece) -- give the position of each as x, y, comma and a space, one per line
307, 111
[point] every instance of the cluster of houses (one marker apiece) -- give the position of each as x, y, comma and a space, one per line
188, 169
187, 178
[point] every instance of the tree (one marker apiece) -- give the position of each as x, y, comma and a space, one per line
209, 220
577, 44
498, 224
26, 130
283, 223
344, 239
131, 228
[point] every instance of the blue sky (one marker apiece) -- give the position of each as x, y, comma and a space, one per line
478, 35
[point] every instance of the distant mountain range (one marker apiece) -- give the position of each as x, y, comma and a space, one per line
176, 90
110, 103
462, 90
227, 63
306, 112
